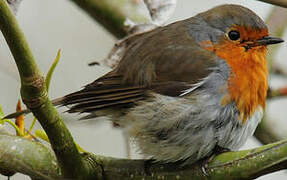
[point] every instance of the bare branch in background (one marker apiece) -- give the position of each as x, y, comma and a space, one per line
282, 3
276, 93
113, 14
279, 70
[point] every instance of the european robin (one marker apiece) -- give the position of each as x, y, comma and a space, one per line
186, 88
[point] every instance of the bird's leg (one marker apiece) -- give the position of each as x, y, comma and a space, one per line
216, 151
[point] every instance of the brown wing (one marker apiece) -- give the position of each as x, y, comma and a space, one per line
105, 92
166, 61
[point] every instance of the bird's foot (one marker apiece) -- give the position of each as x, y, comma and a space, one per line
216, 151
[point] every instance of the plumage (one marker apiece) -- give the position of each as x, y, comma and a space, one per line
158, 70
182, 89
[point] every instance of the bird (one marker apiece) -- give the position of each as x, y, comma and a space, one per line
184, 89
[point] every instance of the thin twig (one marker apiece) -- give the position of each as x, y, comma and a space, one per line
280, 92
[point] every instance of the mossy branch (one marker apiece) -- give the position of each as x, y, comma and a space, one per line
38, 161
28, 157
34, 95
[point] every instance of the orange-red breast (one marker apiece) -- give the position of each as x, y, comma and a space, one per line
183, 89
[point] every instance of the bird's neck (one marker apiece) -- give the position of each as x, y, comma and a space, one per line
247, 84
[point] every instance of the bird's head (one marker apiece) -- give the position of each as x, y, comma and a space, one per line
239, 37
232, 28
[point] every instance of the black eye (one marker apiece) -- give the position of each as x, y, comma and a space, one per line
234, 35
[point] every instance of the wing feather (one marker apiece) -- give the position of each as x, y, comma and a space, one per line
171, 65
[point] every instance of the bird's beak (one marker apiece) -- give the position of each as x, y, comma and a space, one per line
267, 40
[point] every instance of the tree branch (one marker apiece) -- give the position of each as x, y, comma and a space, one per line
34, 95
282, 3
277, 93
112, 14
231, 165
28, 157
38, 161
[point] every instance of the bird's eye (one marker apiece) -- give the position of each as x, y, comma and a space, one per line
234, 35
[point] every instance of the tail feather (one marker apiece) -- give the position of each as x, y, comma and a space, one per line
94, 106
84, 98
